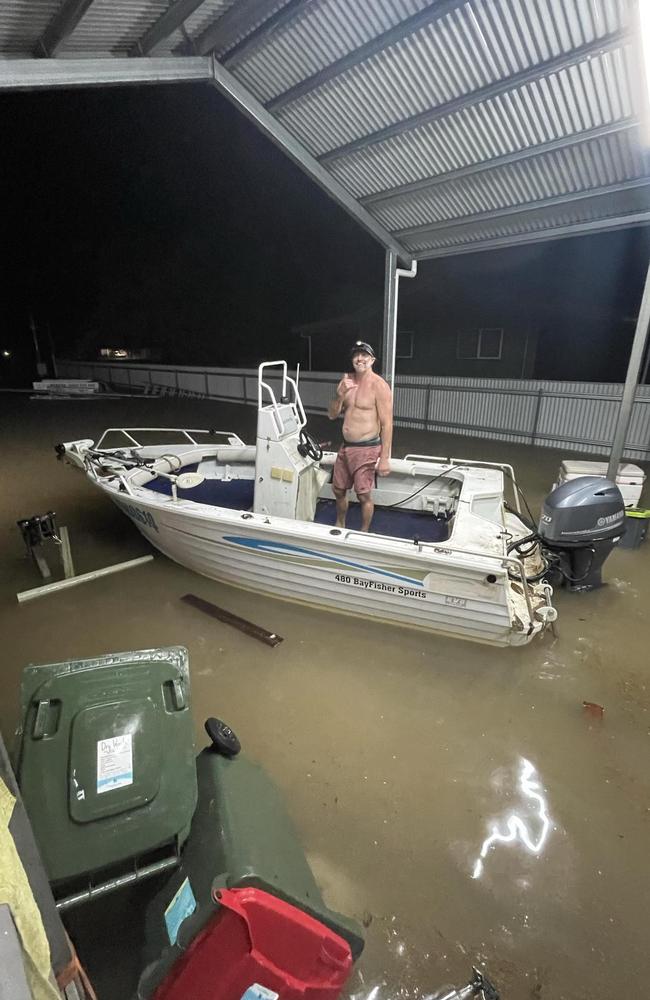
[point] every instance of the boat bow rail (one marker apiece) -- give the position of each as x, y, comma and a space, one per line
186, 433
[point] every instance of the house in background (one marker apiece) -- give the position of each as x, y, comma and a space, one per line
483, 339
563, 310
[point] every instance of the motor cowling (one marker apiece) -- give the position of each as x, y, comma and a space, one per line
581, 522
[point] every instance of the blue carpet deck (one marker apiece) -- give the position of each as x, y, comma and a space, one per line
387, 521
238, 495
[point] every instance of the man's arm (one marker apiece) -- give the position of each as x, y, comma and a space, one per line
385, 413
336, 405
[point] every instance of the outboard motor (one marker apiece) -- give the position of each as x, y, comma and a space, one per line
581, 522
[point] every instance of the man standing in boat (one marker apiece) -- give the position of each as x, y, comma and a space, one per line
366, 402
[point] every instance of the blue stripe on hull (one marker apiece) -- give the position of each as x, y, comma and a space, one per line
283, 548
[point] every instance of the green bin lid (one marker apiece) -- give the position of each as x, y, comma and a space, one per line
106, 758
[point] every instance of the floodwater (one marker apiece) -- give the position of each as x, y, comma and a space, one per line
402, 757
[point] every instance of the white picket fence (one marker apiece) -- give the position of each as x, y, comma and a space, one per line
574, 416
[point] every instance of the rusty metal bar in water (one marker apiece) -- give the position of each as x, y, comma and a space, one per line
248, 628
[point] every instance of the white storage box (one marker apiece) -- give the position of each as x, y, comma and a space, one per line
630, 478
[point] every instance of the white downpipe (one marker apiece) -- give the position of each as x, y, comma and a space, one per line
401, 272
391, 304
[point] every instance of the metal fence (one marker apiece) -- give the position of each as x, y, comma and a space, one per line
574, 416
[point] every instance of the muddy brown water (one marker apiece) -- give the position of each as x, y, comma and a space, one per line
398, 753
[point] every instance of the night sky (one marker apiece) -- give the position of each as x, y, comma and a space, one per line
160, 217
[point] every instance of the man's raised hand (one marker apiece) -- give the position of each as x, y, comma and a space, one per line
346, 383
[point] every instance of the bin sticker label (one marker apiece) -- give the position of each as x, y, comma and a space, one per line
183, 904
114, 763
257, 992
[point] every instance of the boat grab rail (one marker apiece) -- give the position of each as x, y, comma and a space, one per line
297, 401
186, 431
508, 469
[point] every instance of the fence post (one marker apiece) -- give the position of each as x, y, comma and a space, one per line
538, 406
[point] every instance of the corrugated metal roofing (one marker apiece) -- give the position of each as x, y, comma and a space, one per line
568, 103
205, 15
612, 159
320, 35
457, 124
22, 22
113, 26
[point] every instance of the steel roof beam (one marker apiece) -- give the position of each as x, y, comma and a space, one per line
39, 74
244, 101
169, 22
516, 156
528, 206
223, 33
563, 61
558, 233
61, 27
395, 34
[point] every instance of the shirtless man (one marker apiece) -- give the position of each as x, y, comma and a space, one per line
367, 406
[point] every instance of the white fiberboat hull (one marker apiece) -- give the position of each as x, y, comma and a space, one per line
425, 589
260, 517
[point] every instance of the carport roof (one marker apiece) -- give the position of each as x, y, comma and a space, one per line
444, 127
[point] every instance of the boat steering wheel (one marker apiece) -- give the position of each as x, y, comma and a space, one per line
308, 447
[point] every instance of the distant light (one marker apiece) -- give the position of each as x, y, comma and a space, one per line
113, 352
6, 354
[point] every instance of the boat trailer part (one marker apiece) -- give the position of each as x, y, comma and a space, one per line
36, 530
43, 527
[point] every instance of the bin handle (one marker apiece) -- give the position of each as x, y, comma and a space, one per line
335, 961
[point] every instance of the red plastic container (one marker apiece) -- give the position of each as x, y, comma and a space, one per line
257, 947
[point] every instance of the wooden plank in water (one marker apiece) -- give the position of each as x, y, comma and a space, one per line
248, 628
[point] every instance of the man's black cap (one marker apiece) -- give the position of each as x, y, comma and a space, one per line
362, 348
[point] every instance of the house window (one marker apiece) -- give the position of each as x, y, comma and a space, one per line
404, 347
484, 344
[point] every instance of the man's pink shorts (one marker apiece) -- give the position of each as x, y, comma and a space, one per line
356, 466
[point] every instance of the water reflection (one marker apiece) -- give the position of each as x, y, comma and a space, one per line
516, 827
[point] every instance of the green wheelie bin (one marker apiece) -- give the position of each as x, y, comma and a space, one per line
105, 764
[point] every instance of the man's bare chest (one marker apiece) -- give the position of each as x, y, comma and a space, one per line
363, 399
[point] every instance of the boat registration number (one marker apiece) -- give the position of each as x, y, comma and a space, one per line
141, 516
389, 588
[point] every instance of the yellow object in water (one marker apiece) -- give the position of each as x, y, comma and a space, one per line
15, 891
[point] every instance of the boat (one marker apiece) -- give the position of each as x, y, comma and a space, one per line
441, 554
